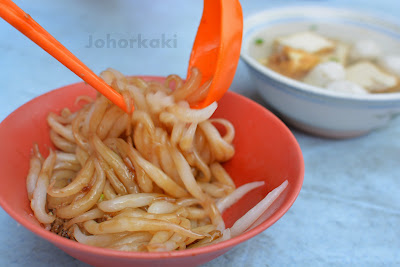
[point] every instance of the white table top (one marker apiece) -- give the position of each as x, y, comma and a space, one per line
348, 212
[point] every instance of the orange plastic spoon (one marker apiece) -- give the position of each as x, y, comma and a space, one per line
215, 51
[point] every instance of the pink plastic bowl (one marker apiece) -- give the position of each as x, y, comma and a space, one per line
265, 150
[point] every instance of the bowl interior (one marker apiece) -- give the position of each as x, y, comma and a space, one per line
335, 23
265, 151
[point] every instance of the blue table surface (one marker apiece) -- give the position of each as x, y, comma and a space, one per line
348, 212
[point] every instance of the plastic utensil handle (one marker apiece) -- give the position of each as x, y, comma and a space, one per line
20, 20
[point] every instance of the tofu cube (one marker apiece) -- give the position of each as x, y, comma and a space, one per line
370, 77
309, 42
292, 63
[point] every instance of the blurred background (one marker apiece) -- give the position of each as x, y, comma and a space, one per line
26, 72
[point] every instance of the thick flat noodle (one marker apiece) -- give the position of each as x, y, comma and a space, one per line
82, 179
156, 174
116, 163
34, 171
130, 224
38, 202
128, 201
89, 200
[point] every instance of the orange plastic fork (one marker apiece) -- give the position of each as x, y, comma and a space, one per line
20, 20
215, 51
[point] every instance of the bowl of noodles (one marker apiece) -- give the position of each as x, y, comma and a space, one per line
166, 185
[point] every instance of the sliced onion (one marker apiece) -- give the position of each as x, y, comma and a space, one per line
252, 215
232, 198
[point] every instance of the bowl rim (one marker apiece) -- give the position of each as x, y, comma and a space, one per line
307, 9
225, 245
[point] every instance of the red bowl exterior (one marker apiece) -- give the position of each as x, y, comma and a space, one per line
265, 150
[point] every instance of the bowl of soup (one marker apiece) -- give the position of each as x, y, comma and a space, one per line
328, 71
